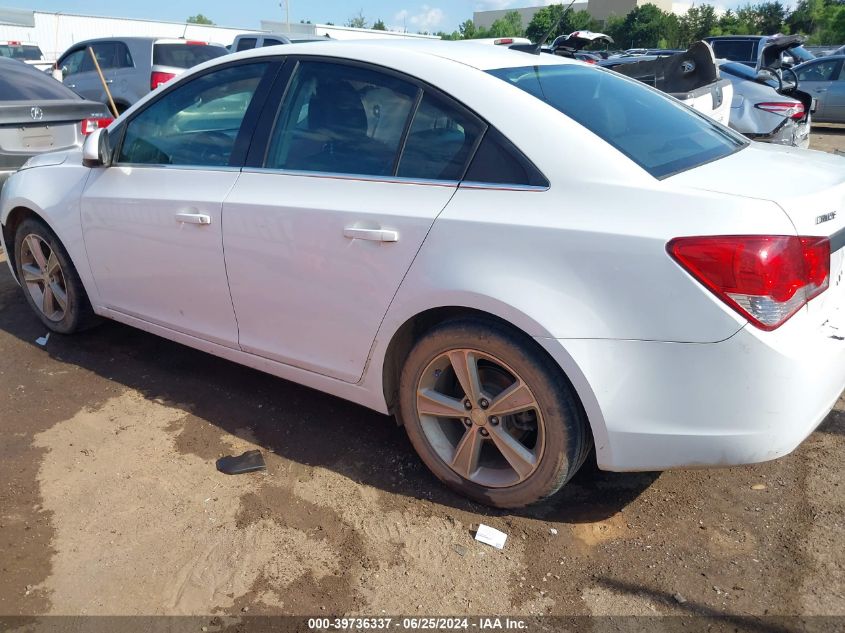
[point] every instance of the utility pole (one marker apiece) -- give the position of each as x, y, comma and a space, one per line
287, 14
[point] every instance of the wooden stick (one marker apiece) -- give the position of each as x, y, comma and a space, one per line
103, 80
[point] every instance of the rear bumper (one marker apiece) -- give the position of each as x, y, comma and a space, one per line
751, 398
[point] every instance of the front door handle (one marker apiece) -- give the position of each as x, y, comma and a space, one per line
820, 90
109, 81
193, 218
375, 235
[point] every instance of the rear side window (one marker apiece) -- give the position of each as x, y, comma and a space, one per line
246, 43
735, 50
655, 131
185, 55
498, 161
19, 82
341, 119
440, 141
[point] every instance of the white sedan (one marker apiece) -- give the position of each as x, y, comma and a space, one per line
519, 256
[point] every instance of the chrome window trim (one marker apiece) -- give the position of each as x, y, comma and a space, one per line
467, 184
399, 180
182, 167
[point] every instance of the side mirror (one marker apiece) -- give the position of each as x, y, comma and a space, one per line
95, 150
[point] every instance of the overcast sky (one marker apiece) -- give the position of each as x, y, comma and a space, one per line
434, 16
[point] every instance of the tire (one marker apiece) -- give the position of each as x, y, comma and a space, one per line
74, 312
479, 455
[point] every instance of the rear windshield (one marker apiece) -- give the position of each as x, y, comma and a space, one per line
26, 52
185, 55
655, 131
19, 82
735, 50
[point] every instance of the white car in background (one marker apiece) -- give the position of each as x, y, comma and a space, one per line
420, 227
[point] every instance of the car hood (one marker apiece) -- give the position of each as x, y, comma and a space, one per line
814, 187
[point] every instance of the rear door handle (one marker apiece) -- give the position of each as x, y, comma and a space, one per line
821, 90
193, 218
374, 235
109, 81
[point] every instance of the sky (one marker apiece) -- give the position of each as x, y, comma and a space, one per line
431, 16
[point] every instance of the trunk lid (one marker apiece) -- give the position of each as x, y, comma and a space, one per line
814, 200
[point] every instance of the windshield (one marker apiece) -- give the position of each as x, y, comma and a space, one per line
19, 82
655, 131
25, 52
185, 55
801, 54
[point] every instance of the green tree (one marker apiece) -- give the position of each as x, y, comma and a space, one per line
199, 18
646, 26
771, 17
546, 19
357, 21
696, 24
510, 25
467, 30
378, 25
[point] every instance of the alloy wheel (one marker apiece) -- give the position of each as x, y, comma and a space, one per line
43, 277
481, 418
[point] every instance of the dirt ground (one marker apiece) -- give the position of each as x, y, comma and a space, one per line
110, 504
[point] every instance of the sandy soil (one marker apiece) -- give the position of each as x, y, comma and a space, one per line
110, 504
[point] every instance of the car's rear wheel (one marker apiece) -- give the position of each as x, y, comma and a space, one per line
491, 415
50, 283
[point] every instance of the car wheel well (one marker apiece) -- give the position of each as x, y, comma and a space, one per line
417, 326
13, 221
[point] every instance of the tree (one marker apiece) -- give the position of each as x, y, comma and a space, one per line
544, 20
357, 21
646, 26
378, 25
199, 18
467, 30
510, 25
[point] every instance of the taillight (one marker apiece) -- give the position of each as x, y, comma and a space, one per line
195, 43
158, 78
789, 109
766, 278
503, 40
89, 125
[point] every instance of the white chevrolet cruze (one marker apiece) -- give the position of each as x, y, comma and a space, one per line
518, 255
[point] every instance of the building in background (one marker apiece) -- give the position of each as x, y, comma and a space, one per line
56, 32
598, 9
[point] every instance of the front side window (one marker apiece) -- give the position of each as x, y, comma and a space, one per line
272, 42
195, 124
655, 131
72, 63
341, 119
820, 71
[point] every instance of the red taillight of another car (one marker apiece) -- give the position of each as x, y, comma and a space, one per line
89, 125
790, 109
765, 278
158, 78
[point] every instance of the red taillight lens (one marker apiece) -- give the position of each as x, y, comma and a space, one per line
766, 278
503, 40
89, 125
157, 78
195, 43
790, 109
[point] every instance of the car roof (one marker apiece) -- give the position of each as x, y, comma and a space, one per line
479, 57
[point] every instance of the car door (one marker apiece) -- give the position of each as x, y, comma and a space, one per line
816, 78
152, 220
329, 214
836, 97
78, 72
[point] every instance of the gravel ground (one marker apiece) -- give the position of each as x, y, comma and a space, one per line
110, 504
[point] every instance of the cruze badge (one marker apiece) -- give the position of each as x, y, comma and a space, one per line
827, 217
36, 113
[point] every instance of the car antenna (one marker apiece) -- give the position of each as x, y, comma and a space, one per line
536, 49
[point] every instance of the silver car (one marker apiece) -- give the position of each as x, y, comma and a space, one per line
38, 114
767, 108
132, 66
824, 79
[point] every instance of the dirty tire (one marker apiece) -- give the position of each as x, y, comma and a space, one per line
566, 438
78, 314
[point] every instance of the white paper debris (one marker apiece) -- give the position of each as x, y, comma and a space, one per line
491, 536
42, 341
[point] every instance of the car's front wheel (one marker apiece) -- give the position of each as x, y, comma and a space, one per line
51, 285
491, 415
